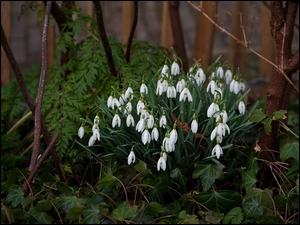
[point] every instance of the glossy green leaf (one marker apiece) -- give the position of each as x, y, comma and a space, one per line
290, 150
252, 207
124, 212
42, 217
208, 173
249, 180
155, 208
222, 201
16, 197
75, 212
63, 188
43, 205
108, 181
264, 196
91, 214
234, 216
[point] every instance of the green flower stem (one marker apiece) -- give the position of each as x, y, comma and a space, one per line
19, 123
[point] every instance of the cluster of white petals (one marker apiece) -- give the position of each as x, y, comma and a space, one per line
96, 132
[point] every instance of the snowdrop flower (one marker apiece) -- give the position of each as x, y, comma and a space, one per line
96, 120
161, 163
143, 88
165, 156
154, 133
150, 120
185, 94
217, 150
242, 86
122, 99
96, 133
194, 125
212, 86
213, 108
109, 101
164, 71
167, 144
218, 92
234, 86
165, 85
131, 157
173, 134
242, 106
180, 85
159, 87
92, 141
175, 70
222, 115
219, 131
129, 120
200, 76
116, 120
140, 126
228, 76
163, 121
171, 92
140, 105
115, 102
220, 72
81, 131
146, 137
128, 107
128, 93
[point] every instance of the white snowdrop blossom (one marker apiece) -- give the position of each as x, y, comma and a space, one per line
175, 70
194, 125
143, 88
128, 92
81, 132
131, 157
218, 92
161, 163
180, 85
222, 115
228, 76
115, 102
116, 120
212, 86
185, 94
122, 99
234, 86
154, 133
164, 71
213, 108
165, 156
140, 126
171, 92
168, 145
217, 151
92, 141
109, 101
159, 87
220, 72
242, 106
146, 137
173, 134
140, 106
163, 121
128, 107
200, 76
165, 85
150, 120
219, 131
129, 120
96, 133
242, 86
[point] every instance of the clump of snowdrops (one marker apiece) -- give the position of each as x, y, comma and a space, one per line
173, 119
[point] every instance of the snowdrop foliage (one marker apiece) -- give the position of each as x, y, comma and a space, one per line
168, 117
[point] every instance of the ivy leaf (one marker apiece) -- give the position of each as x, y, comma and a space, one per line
290, 150
108, 181
177, 175
221, 201
280, 114
264, 197
252, 207
267, 125
43, 205
16, 197
155, 208
75, 212
208, 173
249, 180
257, 116
69, 202
42, 217
91, 214
124, 212
64, 189
234, 216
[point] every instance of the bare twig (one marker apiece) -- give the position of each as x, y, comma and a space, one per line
135, 18
244, 44
39, 97
104, 39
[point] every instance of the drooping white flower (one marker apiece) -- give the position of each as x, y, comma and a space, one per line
163, 121
223, 115
140, 126
185, 94
165, 71
228, 76
242, 86
154, 133
129, 120
171, 92
194, 125
109, 101
213, 108
131, 157
96, 133
173, 134
175, 70
165, 156
234, 86
200, 76
242, 106
159, 87
217, 150
180, 85
143, 88
212, 86
161, 163
122, 99
146, 137
167, 144
165, 85
128, 107
81, 132
115, 102
150, 120
140, 106
116, 120
96, 120
92, 141
220, 72
128, 92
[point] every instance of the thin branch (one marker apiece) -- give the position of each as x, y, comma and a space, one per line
104, 39
39, 97
244, 44
135, 18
